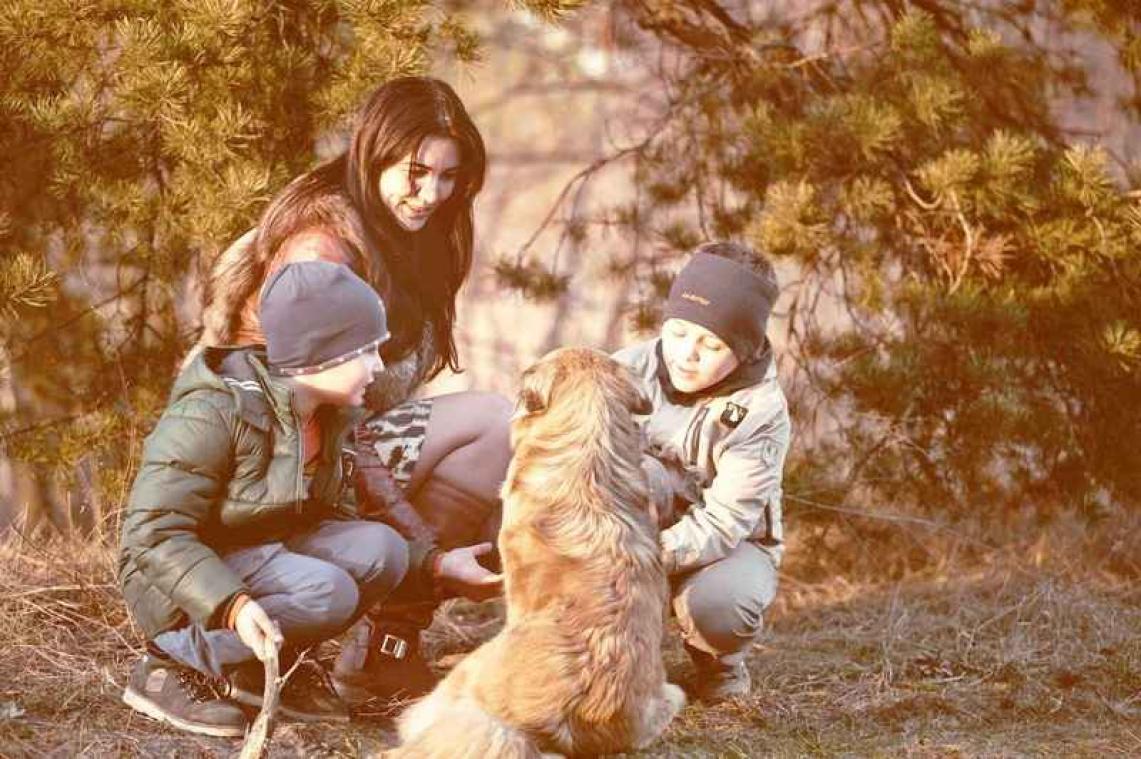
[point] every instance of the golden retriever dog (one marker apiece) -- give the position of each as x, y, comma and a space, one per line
577, 669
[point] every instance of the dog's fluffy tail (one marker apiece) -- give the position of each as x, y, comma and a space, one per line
459, 730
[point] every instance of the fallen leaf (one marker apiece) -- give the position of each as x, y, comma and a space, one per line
11, 710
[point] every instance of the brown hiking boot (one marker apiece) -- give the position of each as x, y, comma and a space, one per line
381, 659
183, 697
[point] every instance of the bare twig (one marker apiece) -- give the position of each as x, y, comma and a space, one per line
897, 518
28, 343
56, 589
581, 175
970, 237
811, 60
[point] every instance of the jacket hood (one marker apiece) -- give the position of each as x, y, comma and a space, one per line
241, 372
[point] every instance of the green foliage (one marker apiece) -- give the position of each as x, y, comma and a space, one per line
137, 138
531, 279
25, 282
987, 272
550, 10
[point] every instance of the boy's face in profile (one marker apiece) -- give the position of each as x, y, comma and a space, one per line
344, 384
695, 357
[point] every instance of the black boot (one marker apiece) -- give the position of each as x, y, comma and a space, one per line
380, 658
183, 697
307, 696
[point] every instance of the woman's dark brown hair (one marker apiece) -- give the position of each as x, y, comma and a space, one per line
417, 273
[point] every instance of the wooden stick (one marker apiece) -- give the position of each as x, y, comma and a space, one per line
257, 739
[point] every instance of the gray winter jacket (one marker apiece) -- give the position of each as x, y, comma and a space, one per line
724, 456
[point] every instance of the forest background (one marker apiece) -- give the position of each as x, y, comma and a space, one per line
951, 191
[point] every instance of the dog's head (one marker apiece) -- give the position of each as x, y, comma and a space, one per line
575, 379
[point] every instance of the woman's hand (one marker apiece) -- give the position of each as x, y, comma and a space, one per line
257, 630
459, 570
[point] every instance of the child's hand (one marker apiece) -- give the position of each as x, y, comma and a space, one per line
459, 568
257, 630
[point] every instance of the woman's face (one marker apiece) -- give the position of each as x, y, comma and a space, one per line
417, 184
695, 357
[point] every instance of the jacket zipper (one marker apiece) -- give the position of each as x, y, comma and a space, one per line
693, 434
300, 481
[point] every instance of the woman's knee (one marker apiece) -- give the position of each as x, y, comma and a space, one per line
494, 415
467, 442
471, 413
497, 406
467, 448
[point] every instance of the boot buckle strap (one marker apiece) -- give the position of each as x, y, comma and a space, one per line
390, 645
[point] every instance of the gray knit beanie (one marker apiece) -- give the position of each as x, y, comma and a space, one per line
316, 315
727, 298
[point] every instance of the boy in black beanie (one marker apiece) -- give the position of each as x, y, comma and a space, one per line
232, 542
718, 435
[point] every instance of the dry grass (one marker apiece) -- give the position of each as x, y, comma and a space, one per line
1034, 650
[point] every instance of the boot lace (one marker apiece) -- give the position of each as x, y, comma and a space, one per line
201, 687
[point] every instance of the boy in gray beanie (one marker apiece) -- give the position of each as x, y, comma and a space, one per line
233, 544
717, 436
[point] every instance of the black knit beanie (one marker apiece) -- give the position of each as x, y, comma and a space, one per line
727, 298
316, 315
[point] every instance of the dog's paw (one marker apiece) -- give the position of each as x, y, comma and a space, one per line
659, 713
675, 696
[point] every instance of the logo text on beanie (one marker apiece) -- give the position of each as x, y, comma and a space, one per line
695, 298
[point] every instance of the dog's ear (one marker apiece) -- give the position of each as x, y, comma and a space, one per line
535, 392
532, 401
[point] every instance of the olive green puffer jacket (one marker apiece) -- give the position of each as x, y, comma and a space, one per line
223, 468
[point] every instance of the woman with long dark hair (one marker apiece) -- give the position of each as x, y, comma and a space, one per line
396, 207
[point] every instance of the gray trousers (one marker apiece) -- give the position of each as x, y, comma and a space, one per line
719, 606
314, 586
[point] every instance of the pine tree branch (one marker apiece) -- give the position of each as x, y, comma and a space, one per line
29, 342
46, 424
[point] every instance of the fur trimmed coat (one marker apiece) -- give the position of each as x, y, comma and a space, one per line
332, 230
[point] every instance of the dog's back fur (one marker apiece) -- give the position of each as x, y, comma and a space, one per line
577, 668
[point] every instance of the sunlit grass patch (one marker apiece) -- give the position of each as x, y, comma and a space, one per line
1010, 656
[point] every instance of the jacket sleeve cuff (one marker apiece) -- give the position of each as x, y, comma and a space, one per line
421, 579
223, 616
206, 591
